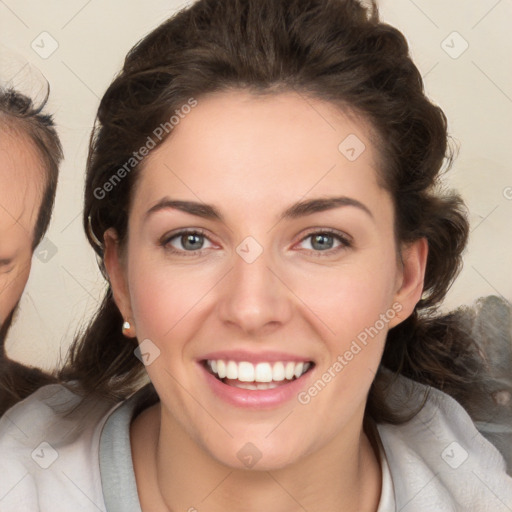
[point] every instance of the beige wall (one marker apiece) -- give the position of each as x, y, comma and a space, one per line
474, 88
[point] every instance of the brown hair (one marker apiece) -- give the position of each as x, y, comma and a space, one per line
335, 50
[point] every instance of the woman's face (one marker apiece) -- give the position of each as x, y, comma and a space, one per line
288, 257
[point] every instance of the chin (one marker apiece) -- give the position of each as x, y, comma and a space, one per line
257, 455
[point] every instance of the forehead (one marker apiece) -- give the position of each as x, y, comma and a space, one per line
238, 145
21, 183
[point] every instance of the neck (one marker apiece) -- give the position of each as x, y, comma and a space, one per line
175, 473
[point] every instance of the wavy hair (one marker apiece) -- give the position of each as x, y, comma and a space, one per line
334, 50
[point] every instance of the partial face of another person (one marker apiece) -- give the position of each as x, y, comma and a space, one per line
21, 186
262, 275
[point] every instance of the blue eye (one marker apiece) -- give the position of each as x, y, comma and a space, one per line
185, 241
324, 241
192, 242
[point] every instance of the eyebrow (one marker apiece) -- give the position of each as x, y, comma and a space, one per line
300, 209
311, 206
4, 262
203, 210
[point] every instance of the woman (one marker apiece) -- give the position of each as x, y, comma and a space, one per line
262, 192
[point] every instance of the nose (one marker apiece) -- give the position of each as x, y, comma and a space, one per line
254, 297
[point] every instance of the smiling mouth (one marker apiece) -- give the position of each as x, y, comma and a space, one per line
260, 376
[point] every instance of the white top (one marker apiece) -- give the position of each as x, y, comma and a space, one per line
438, 461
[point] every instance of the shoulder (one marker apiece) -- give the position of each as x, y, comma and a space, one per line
49, 449
438, 460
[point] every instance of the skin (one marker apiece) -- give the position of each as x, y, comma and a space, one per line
21, 178
252, 158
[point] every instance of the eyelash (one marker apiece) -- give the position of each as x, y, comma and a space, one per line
345, 242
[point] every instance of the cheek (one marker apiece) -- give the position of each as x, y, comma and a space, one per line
352, 310
164, 298
352, 297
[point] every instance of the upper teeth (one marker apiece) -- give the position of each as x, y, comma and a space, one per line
261, 372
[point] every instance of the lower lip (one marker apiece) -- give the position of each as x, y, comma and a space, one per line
257, 398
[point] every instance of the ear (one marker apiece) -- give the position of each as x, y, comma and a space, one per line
116, 271
411, 279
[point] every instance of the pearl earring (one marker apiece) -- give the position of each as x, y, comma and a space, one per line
126, 327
